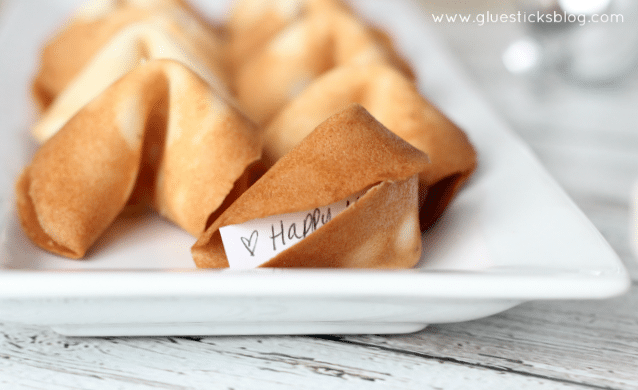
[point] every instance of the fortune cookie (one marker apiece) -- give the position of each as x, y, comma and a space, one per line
160, 131
305, 49
395, 102
252, 23
348, 153
159, 28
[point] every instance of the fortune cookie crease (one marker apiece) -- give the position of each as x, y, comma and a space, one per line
252, 23
100, 25
395, 102
160, 132
380, 230
296, 56
133, 45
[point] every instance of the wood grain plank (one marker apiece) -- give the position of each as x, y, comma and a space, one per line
35, 358
591, 342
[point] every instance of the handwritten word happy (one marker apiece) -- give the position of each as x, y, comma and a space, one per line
252, 243
311, 223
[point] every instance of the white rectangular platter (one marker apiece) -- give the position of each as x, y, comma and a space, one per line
511, 235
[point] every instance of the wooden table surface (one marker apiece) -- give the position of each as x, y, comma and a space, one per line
586, 137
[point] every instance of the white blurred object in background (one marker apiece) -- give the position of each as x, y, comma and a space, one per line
523, 55
584, 6
591, 42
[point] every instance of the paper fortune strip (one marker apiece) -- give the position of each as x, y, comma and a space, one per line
252, 243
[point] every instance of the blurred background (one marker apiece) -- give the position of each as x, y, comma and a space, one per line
569, 89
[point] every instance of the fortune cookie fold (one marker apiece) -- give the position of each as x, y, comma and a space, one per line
102, 25
252, 23
347, 153
395, 102
132, 46
160, 131
305, 49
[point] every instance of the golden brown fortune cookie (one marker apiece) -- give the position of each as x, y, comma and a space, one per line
252, 23
160, 130
102, 21
130, 47
348, 153
394, 101
301, 52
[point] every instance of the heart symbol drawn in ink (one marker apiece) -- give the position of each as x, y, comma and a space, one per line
248, 242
